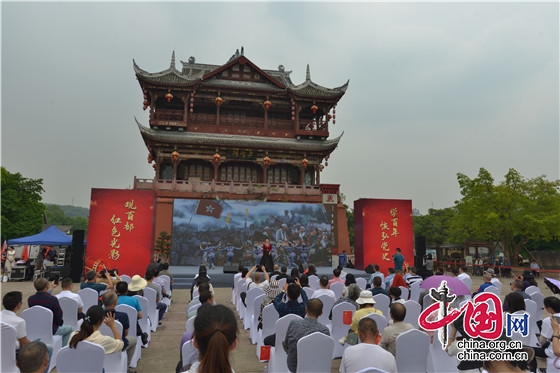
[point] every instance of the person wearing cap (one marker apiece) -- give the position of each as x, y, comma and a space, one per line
487, 278
366, 303
494, 280
391, 332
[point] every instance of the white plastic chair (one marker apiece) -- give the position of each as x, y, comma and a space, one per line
372, 370
518, 337
412, 349
493, 290
269, 318
278, 357
328, 303
132, 318
338, 328
380, 320
69, 308
89, 297
282, 282
238, 286
413, 310
427, 301
189, 354
239, 306
532, 309
189, 326
235, 289
253, 334
404, 292
468, 282
314, 353
126, 278
337, 287
438, 359
539, 300
361, 282
8, 339
117, 361
39, 320
252, 294
309, 292
415, 291
532, 289
313, 282
497, 284
193, 307
382, 303
87, 357
151, 312
144, 322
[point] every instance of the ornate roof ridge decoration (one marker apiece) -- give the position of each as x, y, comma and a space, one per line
193, 73
237, 141
311, 89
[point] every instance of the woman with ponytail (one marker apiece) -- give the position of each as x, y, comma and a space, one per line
215, 336
89, 331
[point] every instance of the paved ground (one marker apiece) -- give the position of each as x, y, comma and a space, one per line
163, 352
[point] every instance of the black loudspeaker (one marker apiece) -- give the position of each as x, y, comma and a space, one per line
231, 268
77, 256
420, 252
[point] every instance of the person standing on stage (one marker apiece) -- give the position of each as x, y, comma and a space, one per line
398, 259
266, 259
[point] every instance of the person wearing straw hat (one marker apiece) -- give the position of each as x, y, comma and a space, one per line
366, 303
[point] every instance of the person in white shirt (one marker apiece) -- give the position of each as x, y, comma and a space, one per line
66, 284
367, 354
12, 303
324, 290
463, 273
256, 279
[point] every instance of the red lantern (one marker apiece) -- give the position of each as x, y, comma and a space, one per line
218, 100
169, 97
314, 108
154, 166
266, 104
304, 162
150, 158
217, 157
266, 160
175, 155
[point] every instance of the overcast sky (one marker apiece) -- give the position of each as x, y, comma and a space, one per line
435, 88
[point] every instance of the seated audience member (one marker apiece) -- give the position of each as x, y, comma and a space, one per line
294, 272
124, 298
271, 292
398, 280
110, 301
204, 286
516, 287
389, 279
350, 279
202, 278
323, 288
283, 273
335, 277
113, 276
311, 270
255, 281
67, 285
204, 297
215, 336
300, 328
377, 289
12, 303
164, 270
358, 357
43, 298
375, 274
353, 293
366, 303
92, 283
275, 271
395, 295
160, 306
34, 357
546, 339
304, 281
391, 332
487, 278
89, 330
413, 277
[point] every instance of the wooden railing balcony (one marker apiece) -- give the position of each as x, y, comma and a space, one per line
167, 118
195, 185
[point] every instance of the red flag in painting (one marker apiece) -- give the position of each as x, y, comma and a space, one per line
25, 253
209, 208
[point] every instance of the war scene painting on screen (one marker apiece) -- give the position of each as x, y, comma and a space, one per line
230, 231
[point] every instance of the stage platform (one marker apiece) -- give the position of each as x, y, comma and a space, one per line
184, 275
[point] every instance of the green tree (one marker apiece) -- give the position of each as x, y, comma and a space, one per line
163, 246
22, 210
512, 212
350, 223
435, 226
56, 216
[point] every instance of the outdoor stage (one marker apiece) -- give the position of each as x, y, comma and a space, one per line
183, 275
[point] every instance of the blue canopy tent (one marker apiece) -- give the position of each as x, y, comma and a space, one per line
52, 236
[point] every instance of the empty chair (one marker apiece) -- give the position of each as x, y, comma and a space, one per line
497, 284
255, 319
151, 312
38, 320
126, 278
269, 318
277, 362
69, 308
361, 282
328, 304
413, 310
380, 320
337, 287
314, 353
532, 309
532, 289
235, 289
313, 282
89, 297
404, 292
338, 328
412, 349
87, 357
132, 318
493, 289
8, 339
539, 300
252, 294
382, 302
144, 322
116, 362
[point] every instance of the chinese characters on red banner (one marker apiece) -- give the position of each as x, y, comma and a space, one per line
118, 222
389, 229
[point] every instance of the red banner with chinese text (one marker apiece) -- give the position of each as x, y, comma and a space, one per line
380, 226
120, 232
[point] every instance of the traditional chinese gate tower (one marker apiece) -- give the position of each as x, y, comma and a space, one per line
238, 132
